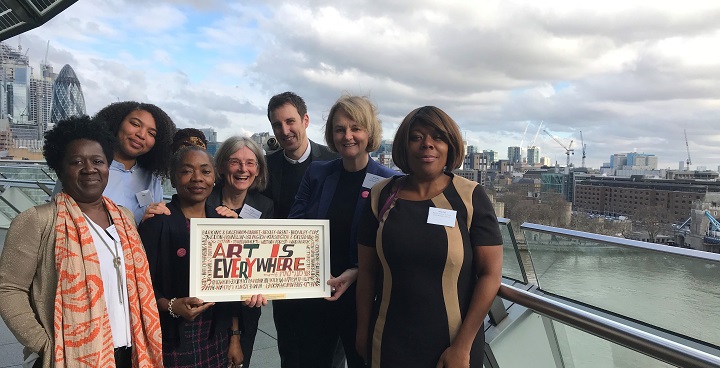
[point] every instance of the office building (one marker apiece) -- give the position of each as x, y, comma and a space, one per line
514, 155
533, 155
68, 98
41, 95
629, 196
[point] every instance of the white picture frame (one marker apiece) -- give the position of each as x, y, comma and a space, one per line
233, 259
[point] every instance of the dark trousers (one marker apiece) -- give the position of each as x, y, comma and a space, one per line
312, 332
249, 325
123, 357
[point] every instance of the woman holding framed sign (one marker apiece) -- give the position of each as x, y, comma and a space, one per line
194, 333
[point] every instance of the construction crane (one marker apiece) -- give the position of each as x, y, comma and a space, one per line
688, 162
536, 133
568, 150
582, 141
523, 136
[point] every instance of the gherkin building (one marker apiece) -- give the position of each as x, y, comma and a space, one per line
68, 98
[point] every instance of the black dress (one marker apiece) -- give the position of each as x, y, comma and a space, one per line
426, 277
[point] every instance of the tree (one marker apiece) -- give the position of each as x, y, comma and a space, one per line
654, 220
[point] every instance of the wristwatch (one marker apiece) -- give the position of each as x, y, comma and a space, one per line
232, 333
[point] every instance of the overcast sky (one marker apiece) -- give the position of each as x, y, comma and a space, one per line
631, 75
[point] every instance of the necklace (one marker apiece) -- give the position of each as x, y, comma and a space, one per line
117, 262
237, 210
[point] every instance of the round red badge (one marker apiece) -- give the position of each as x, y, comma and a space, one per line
365, 194
181, 252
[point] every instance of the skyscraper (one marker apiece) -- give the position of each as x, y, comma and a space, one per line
491, 155
15, 94
533, 155
15, 79
68, 98
41, 95
514, 154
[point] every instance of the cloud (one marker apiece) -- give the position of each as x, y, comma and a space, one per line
629, 74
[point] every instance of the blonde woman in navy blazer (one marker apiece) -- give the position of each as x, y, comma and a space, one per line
337, 190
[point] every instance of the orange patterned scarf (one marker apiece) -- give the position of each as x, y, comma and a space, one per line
82, 327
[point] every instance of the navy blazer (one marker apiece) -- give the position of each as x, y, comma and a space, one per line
318, 188
275, 160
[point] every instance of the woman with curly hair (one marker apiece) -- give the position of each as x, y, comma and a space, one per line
74, 277
142, 153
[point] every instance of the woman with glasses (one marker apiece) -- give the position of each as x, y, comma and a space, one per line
242, 174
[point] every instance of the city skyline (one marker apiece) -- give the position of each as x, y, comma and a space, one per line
630, 75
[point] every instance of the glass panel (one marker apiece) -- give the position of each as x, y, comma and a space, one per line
36, 194
550, 344
670, 291
527, 335
511, 266
28, 172
7, 211
583, 350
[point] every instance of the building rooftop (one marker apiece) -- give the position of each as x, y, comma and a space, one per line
18, 16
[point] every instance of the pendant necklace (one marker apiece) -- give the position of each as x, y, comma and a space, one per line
117, 262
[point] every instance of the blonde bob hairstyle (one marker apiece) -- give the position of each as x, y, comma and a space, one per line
434, 118
232, 145
360, 110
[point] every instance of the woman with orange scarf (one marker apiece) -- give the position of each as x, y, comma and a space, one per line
74, 277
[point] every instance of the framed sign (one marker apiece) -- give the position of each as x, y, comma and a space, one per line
233, 259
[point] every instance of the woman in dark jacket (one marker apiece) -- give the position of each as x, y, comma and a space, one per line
337, 190
194, 333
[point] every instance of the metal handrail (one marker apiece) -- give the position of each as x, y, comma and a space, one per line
612, 240
643, 342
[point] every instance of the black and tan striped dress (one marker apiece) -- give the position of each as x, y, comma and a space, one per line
426, 277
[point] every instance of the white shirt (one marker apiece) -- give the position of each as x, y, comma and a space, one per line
302, 158
118, 313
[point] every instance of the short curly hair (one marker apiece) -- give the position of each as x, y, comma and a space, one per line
157, 160
65, 131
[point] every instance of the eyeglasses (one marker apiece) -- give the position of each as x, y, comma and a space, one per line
233, 162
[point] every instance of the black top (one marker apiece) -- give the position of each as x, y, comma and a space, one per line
276, 190
253, 198
292, 175
167, 244
426, 278
340, 213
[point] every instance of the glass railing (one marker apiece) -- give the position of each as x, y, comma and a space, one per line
512, 261
672, 288
555, 333
18, 195
27, 172
581, 349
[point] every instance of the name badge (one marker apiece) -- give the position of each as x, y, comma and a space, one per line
144, 198
112, 231
248, 212
370, 180
441, 216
